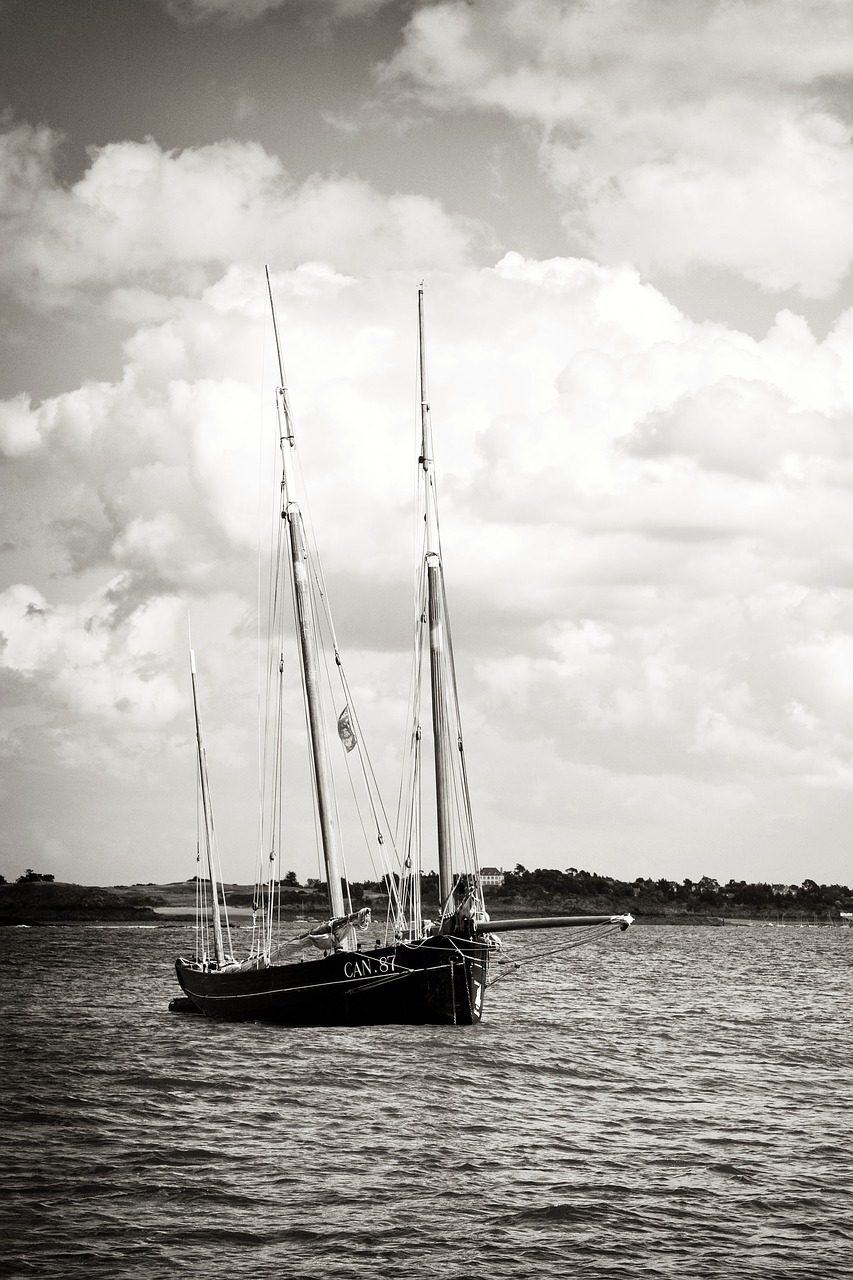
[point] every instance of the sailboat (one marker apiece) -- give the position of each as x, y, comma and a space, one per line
418, 970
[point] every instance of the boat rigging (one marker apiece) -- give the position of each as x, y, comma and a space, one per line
423, 970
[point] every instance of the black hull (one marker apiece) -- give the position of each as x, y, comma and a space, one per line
441, 981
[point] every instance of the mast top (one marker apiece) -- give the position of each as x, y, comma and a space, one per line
275, 328
282, 383
433, 543
285, 427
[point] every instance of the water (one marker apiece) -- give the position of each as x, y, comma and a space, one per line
669, 1102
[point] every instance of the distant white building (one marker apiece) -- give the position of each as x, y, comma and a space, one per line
491, 878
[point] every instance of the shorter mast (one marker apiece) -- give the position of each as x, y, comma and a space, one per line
308, 650
437, 636
207, 813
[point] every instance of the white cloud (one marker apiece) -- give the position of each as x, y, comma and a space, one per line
674, 139
777, 209
647, 526
732, 426
141, 217
86, 663
19, 432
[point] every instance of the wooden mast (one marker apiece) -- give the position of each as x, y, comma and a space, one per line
437, 635
207, 813
308, 653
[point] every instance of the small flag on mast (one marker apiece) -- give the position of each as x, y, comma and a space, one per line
346, 733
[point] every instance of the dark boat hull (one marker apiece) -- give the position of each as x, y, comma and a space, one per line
441, 980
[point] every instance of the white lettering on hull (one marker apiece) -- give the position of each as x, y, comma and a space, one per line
369, 966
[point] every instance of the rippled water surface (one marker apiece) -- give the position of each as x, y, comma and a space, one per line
669, 1102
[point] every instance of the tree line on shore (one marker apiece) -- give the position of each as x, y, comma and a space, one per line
643, 894
705, 894
31, 877
546, 888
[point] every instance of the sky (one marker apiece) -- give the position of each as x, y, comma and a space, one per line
634, 220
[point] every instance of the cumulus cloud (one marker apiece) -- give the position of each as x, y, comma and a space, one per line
731, 426
87, 663
647, 525
697, 135
653, 525
144, 217
149, 480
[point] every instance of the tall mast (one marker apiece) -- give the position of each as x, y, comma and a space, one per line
207, 813
307, 635
437, 633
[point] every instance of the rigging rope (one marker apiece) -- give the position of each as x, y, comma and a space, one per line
586, 935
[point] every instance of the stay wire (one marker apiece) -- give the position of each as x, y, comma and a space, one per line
588, 934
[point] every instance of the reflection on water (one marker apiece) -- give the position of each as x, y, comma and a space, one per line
671, 1102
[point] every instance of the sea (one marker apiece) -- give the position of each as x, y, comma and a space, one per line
670, 1101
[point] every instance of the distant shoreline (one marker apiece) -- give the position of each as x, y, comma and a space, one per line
42, 903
